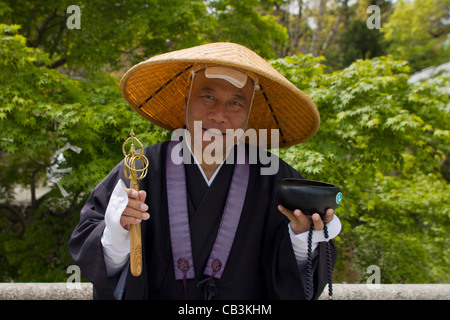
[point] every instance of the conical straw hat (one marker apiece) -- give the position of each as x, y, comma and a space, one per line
156, 89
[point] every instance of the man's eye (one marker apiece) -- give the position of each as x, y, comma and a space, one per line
208, 97
237, 103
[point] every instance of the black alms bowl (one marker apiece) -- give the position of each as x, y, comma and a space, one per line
307, 195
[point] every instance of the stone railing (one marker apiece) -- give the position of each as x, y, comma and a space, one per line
64, 291
389, 292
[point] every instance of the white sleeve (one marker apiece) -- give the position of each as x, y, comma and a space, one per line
115, 239
300, 241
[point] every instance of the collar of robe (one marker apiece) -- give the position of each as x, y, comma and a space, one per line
179, 219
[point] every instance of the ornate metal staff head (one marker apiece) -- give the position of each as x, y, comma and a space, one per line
129, 169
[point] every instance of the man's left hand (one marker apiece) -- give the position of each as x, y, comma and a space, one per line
301, 223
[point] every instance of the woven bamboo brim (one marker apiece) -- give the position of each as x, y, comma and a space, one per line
156, 90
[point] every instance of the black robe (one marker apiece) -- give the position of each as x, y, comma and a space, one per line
261, 264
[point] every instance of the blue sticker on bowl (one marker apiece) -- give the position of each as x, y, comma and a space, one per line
339, 198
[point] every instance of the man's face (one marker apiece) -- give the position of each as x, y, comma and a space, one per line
219, 105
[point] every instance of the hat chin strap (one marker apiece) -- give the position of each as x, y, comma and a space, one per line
251, 105
193, 74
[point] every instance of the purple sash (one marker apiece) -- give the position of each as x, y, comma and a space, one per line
179, 220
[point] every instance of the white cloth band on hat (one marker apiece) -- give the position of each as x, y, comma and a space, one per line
236, 78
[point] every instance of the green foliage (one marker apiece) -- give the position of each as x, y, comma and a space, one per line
406, 232
358, 42
417, 31
115, 34
382, 140
42, 110
238, 21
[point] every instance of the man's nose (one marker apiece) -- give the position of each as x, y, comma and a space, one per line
219, 112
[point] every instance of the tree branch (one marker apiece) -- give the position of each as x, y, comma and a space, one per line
315, 38
332, 33
57, 63
46, 26
297, 33
440, 31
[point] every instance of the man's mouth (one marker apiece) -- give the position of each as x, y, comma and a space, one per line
214, 132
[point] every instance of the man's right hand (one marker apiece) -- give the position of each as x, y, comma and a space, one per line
136, 210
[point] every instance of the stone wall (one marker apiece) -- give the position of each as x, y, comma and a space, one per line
64, 291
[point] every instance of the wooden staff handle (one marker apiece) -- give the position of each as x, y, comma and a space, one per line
135, 243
